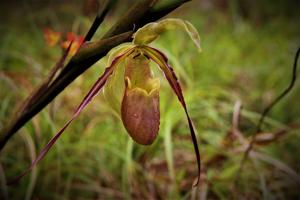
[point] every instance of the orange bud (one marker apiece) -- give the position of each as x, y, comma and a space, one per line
51, 37
76, 42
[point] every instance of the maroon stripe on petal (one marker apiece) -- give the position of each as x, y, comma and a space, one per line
170, 75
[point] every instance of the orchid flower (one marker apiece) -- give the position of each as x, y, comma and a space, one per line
131, 89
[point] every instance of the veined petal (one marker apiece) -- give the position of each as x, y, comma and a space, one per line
151, 31
162, 61
87, 99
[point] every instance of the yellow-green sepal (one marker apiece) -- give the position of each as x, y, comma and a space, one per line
151, 31
114, 87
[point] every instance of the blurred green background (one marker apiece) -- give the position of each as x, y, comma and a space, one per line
248, 51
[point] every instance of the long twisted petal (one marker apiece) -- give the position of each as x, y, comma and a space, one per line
162, 61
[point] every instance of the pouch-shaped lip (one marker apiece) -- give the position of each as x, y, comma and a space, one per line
140, 114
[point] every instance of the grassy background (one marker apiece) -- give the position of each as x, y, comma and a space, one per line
248, 51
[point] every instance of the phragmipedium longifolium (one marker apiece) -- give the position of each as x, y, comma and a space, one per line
131, 88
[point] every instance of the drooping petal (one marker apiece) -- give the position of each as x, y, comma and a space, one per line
162, 61
87, 99
151, 31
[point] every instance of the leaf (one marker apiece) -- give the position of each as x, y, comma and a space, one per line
91, 94
151, 31
162, 61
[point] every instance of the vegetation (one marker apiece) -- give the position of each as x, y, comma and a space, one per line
247, 53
